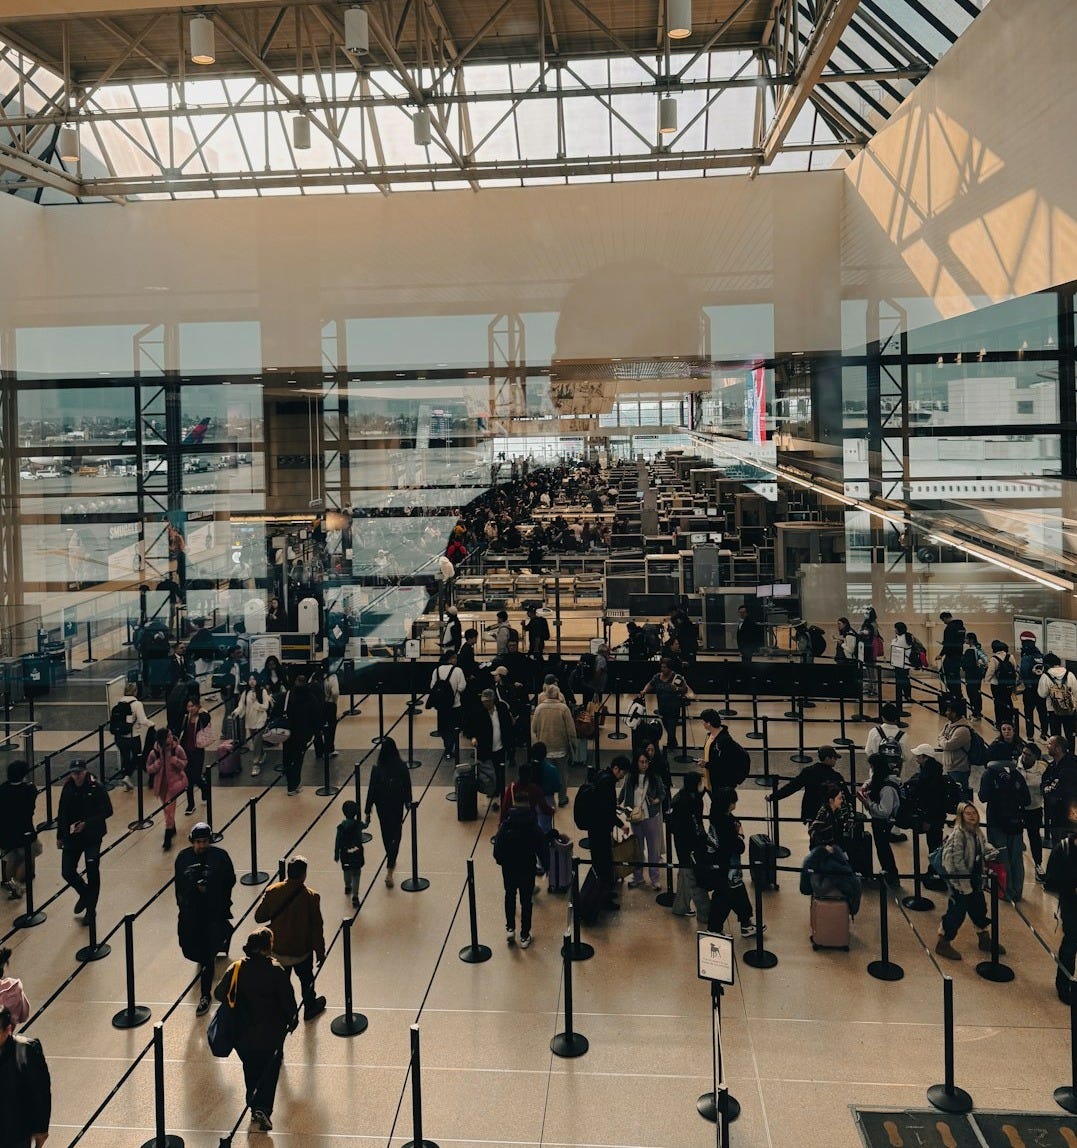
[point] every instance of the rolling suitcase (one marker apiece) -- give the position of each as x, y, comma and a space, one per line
467, 794
763, 860
560, 873
590, 907
829, 924
861, 850
227, 759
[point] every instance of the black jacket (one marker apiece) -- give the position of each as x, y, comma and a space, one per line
88, 802
1059, 788
305, 713
811, 782
929, 793
265, 1003
17, 801
728, 763
479, 725
519, 842
389, 792
605, 802
204, 884
465, 659
750, 636
25, 1091
1061, 876
686, 825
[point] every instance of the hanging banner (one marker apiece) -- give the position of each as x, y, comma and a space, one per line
1026, 628
1060, 635
755, 405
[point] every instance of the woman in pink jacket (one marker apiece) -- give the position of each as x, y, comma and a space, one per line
11, 991
167, 765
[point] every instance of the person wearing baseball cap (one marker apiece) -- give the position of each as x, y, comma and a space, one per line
81, 822
205, 878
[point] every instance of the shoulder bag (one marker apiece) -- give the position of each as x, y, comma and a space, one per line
221, 1033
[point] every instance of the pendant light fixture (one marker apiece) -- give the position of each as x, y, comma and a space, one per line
301, 132
420, 123
678, 19
67, 145
667, 115
203, 49
356, 31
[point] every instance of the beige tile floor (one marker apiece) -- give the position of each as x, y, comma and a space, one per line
802, 1041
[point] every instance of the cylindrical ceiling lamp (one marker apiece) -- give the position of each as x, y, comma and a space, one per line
667, 115
420, 123
68, 144
301, 132
202, 40
678, 19
356, 31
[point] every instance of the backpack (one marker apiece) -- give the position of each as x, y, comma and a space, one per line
442, 695
121, 719
890, 748
918, 658
909, 815
1006, 674
1059, 692
637, 712
585, 807
981, 657
818, 641
978, 754
954, 793
510, 845
1008, 800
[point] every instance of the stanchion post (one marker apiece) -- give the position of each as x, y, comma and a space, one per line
282, 868
579, 950
727, 710
800, 757
780, 851
327, 789
759, 957
141, 821
994, 970
1066, 1096
711, 1105
32, 916
161, 1139
134, 1014
684, 757
860, 716
417, 1140
256, 876
381, 717
568, 1044
755, 735
414, 883
349, 1023
409, 759
947, 1097
884, 969
102, 775
89, 659
764, 778
667, 898
843, 738
617, 734
917, 903
792, 711
50, 814
473, 953
93, 950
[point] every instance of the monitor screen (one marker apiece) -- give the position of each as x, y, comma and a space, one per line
714, 537
764, 591
712, 511
699, 539
781, 590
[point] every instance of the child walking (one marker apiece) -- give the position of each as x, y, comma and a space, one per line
348, 849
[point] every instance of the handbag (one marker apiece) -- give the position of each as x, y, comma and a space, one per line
221, 1033
276, 732
204, 736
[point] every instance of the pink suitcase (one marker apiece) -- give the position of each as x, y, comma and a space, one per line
829, 924
227, 759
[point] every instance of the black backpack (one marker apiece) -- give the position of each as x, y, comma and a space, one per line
890, 748
121, 719
585, 807
978, 754
818, 641
1008, 800
442, 695
1006, 674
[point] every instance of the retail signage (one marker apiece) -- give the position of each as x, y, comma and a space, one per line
1060, 635
714, 953
1025, 627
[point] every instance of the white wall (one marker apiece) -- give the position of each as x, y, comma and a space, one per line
968, 195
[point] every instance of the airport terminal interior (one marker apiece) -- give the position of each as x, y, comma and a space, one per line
690, 381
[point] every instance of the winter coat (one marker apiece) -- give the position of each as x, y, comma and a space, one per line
168, 771
89, 803
13, 998
811, 783
204, 883
265, 1003
651, 794
253, 708
552, 724
963, 855
827, 875
294, 913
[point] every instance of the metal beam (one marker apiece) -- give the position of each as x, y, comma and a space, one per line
39, 174
832, 21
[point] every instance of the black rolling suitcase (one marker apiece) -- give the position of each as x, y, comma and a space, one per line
861, 851
591, 899
763, 860
467, 794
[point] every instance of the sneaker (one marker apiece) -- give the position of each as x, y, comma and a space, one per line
295, 792
686, 913
126, 783
510, 936
80, 907
750, 930
203, 1007
389, 879
1040, 874
189, 812
278, 769
525, 941
334, 753
315, 1008
634, 883
255, 770
12, 891
495, 806
261, 1121
355, 900
562, 800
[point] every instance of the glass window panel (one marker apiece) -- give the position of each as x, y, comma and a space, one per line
949, 394
74, 419
1029, 323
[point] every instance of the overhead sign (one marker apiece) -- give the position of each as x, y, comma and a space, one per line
714, 957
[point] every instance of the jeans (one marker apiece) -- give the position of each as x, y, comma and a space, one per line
258, 746
648, 833
880, 833
951, 674
961, 905
130, 752
1067, 949
1011, 847
1062, 725
1032, 703
519, 883
88, 889
1034, 831
1002, 696
903, 684
391, 824
304, 972
973, 688
261, 1068
729, 899
689, 893
195, 770
669, 723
